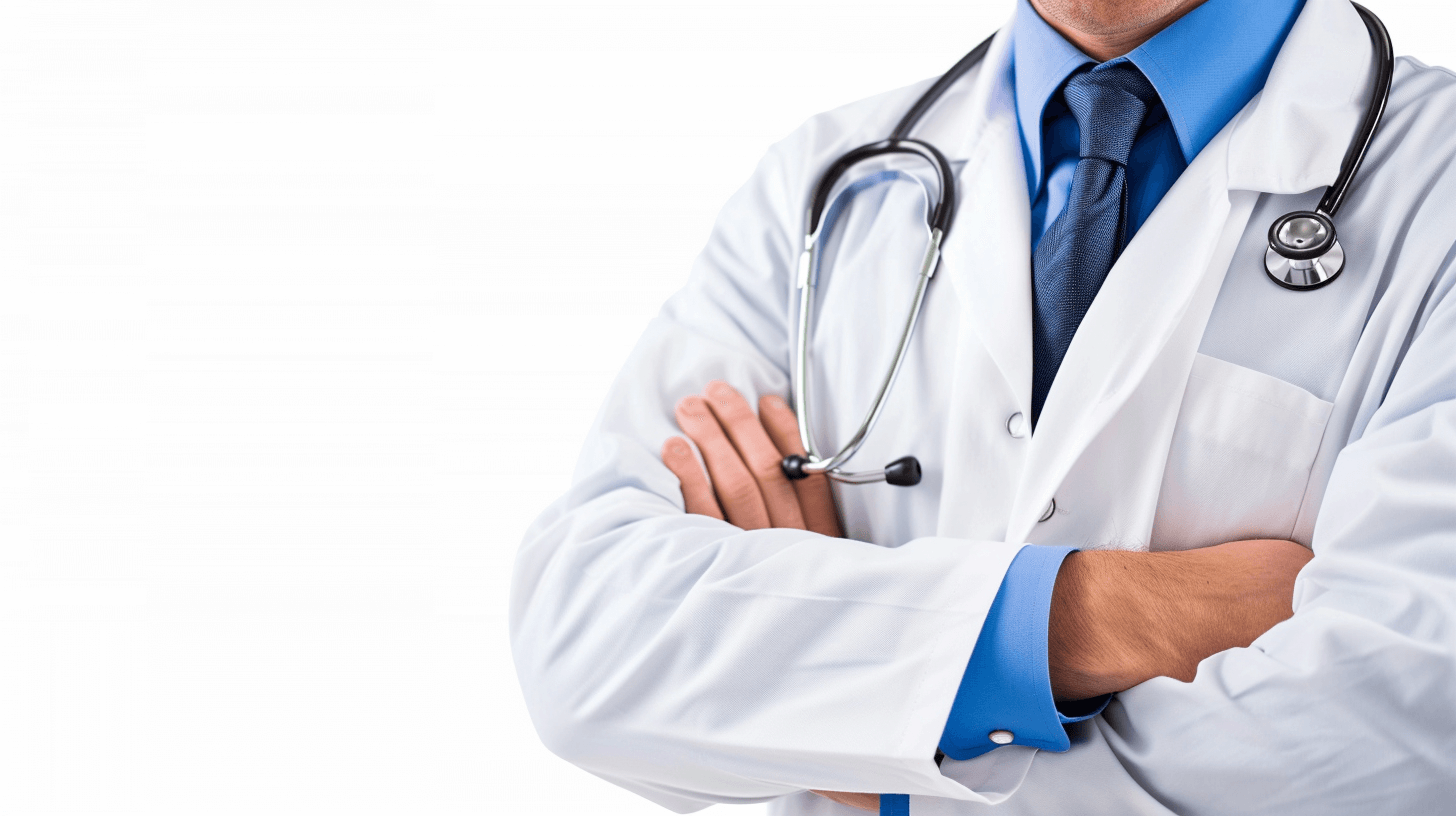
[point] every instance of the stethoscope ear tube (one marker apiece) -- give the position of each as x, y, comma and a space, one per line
906, 470
941, 214
1304, 248
1334, 197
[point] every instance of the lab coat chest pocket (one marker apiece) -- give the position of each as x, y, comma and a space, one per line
1240, 457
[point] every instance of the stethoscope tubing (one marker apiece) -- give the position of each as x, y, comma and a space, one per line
802, 395
1334, 197
941, 215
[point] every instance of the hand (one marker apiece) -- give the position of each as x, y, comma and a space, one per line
1120, 618
747, 487
744, 483
863, 801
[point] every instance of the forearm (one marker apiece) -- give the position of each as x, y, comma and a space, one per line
1347, 707
1120, 618
1330, 713
734, 665
675, 652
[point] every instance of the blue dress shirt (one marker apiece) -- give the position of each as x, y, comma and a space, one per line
1205, 67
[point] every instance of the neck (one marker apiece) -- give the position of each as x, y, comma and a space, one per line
1106, 29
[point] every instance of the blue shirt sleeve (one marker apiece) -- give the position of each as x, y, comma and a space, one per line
1007, 688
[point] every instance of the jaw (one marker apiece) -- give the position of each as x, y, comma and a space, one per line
1110, 28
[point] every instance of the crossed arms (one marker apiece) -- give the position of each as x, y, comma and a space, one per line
645, 655
1117, 619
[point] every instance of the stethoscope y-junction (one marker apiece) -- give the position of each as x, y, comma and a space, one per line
1304, 252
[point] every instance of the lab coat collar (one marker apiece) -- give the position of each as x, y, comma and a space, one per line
1292, 137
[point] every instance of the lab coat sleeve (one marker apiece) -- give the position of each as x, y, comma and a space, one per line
1347, 707
694, 662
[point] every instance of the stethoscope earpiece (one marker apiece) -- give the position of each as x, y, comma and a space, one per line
1304, 251
903, 472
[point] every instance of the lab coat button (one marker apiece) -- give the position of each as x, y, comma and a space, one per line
1049, 512
1002, 737
1016, 425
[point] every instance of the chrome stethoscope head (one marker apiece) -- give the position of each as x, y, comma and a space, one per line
1304, 250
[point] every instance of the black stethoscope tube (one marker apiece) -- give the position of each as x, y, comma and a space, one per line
1355, 154
932, 95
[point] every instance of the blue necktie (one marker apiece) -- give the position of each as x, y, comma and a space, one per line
1109, 103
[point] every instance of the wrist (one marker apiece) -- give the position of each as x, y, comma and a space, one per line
1107, 629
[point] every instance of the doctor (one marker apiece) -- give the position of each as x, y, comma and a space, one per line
1101, 364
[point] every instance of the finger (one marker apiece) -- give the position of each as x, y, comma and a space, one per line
697, 492
816, 501
758, 452
863, 801
735, 487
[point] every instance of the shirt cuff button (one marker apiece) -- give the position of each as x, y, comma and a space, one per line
1002, 737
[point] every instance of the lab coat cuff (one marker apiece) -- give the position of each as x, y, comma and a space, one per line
1006, 689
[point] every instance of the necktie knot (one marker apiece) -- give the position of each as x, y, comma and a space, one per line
1110, 103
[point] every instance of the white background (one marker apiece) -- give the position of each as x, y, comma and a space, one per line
304, 310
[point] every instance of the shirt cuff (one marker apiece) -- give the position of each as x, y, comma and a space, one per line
1006, 689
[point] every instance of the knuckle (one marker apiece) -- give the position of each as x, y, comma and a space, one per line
738, 493
766, 469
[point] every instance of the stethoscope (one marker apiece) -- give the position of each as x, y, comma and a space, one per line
1304, 252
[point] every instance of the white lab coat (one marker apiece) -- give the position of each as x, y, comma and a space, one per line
692, 662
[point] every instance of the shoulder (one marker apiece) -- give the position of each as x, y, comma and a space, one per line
1409, 174
1417, 126
1416, 82
827, 135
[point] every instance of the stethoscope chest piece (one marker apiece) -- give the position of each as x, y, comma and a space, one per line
1304, 252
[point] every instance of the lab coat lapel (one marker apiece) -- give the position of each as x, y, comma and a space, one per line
986, 258
986, 261
1289, 139
1143, 301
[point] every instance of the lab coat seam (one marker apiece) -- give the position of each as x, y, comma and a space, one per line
1304, 491
1293, 412
836, 599
933, 659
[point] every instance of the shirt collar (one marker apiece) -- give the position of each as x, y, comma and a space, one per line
1205, 67
1041, 59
